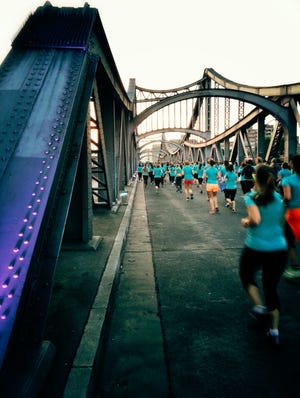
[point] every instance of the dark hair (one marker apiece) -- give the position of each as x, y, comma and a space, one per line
266, 185
285, 165
296, 164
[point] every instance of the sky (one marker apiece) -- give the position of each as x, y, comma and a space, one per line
166, 44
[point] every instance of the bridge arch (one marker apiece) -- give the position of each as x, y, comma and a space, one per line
142, 147
284, 114
198, 133
280, 112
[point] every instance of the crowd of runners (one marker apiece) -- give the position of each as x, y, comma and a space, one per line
214, 176
271, 192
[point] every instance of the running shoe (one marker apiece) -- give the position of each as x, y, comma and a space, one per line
291, 273
296, 267
259, 315
274, 340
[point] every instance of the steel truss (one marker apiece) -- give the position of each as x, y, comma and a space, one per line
251, 105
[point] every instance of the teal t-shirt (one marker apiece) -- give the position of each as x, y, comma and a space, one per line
268, 235
200, 171
212, 175
231, 179
157, 172
188, 172
172, 171
178, 171
284, 173
293, 181
222, 170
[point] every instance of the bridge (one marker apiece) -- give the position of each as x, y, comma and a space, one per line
194, 113
71, 137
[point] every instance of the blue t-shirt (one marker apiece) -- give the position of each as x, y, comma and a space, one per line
268, 235
172, 171
157, 172
284, 173
178, 171
200, 171
195, 168
212, 175
188, 172
222, 170
293, 181
231, 179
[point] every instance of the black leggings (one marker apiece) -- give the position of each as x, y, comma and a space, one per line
247, 185
272, 265
230, 194
289, 235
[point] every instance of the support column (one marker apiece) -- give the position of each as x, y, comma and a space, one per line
79, 226
261, 137
219, 152
290, 137
226, 148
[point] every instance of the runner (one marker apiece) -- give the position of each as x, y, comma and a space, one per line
230, 187
291, 196
157, 172
145, 173
261, 252
200, 177
178, 178
188, 180
211, 176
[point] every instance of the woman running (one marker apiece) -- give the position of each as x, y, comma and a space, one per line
188, 180
211, 175
265, 248
230, 187
291, 197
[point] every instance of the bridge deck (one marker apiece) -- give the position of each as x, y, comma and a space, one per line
179, 324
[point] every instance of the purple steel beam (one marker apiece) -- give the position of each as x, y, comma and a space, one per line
28, 179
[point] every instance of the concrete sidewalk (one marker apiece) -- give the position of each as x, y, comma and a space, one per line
80, 380
137, 351
144, 368
80, 302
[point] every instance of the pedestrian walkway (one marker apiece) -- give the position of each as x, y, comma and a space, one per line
72, 326
180, 325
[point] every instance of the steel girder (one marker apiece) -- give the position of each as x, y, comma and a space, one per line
282, 113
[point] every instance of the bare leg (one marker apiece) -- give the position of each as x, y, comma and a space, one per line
254, 295
233, 205
275, 314
186, 191
191, 191
292, 256
215, 200
211, 202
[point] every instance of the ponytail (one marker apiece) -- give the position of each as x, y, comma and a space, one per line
266, 185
